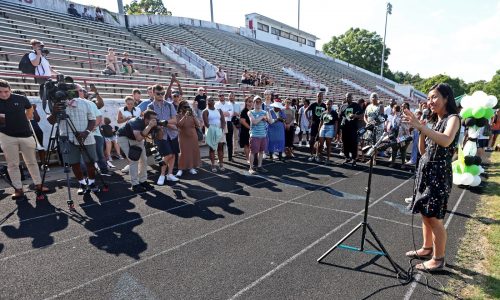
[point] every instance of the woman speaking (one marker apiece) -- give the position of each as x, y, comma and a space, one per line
433, 181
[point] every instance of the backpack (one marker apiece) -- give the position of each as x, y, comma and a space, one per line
26, 66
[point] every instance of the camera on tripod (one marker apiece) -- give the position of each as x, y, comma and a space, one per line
56, 93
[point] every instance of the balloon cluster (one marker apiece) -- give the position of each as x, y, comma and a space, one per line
476, 112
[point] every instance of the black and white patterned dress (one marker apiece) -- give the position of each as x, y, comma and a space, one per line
434, 176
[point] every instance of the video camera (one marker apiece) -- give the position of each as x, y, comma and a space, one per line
55, 93
152, 150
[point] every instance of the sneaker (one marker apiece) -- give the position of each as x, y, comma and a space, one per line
120, 157
265, 156
110, 165
171, 177
354, 163
193, 171
110, 158
311, 158
318, 159
275, 156
93, 188
96, 166
347, 160
138, 188
161, 180
126, 169
179, 173
410, 163
408, 200
252, 171
147, 185
82, 189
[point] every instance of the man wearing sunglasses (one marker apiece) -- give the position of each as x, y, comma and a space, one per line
168, 146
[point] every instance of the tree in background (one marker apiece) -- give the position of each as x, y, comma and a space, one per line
147, 7
493, 87
359, 47
458, 85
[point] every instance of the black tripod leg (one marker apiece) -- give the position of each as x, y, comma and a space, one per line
339, 242
379, 243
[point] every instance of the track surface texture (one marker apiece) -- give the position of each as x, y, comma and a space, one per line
224, 235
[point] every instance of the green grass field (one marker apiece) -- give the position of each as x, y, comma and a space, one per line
479, 255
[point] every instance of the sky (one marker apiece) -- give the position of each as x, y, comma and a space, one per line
429, 37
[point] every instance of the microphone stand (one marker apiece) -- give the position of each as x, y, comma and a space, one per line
364, 225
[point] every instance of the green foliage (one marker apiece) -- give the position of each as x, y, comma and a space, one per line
147, 7
359, 47
458, 86
493, 87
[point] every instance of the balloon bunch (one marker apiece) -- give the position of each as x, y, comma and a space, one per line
476, 112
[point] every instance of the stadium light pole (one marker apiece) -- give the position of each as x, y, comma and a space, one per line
211, 11
120, 7
298, 16
387, 12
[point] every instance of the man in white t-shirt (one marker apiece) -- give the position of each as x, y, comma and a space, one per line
227, 110
39, 61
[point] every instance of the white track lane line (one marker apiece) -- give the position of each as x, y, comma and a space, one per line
291, 259
410, 291
65, 292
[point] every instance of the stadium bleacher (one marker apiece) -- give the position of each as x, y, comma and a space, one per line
78, 48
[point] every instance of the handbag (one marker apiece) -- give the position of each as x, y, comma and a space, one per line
134, 152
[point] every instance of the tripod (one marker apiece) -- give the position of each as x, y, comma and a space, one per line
62, 142
364, 225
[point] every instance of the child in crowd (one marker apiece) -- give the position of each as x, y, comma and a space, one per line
109, 134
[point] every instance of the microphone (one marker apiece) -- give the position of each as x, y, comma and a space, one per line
399, 140
382, 139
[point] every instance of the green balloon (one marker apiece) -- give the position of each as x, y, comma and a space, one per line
489, 113
472, 169
466, 113
478, 112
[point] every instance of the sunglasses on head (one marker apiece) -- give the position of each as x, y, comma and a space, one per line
160, 93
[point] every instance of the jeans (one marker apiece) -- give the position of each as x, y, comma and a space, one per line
229, 140
414, 148
101, 159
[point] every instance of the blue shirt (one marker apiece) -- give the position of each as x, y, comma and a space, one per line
165, 111
259, 129
143, 106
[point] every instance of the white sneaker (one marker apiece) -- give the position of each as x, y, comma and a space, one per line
193, 171
172, 178
110, 164
408, 200
161, 180
126, 169
179, 173
310, 158
264, 156
97, 166
275, 156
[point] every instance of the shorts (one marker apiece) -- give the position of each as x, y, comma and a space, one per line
258, 144
482, 143
75, 154
327, 131
305, 128
168, 147
111, 139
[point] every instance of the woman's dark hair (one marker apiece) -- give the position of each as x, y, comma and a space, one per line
182, 106
445, 90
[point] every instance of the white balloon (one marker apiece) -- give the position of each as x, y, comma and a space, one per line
476, 181
492, 101
470, 148
481, 170
467, 178
479, 94
457, 178
467, 101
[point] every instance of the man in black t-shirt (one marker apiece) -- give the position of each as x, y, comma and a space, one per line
133, 134
200, 103
350, 113
15, 136
316, 109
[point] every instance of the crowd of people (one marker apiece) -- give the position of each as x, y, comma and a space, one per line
256, 78
86, 14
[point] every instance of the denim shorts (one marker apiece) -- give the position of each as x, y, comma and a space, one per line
327, 131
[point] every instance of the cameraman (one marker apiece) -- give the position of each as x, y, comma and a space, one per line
38, 59
168, 145
15, 136
83, 118
132, 134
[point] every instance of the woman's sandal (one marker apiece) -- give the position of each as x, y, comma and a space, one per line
439, 267
413, 253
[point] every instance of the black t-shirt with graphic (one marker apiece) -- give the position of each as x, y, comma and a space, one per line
16, 122
334, 117
316, 111
346, 110
202, 101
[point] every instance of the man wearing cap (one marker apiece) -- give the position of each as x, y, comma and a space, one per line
38, 58
173, 96
258, 134
227, 110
